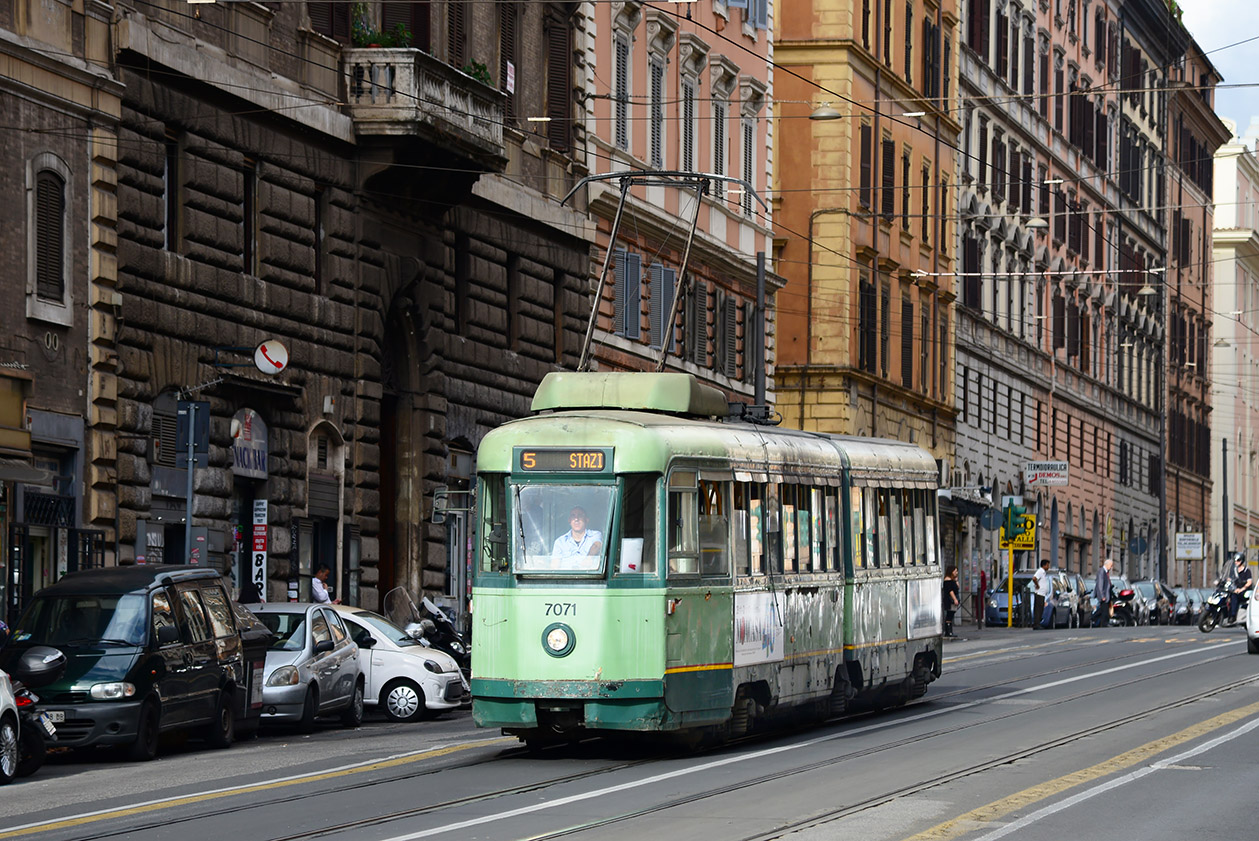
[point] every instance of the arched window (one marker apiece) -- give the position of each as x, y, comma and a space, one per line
49, 239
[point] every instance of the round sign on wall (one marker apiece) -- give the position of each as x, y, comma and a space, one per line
271, 357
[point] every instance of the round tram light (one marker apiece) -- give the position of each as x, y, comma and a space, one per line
558, 639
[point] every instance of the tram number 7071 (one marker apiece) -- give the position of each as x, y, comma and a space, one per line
561, 609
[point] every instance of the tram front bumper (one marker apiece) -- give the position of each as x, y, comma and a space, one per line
590, 705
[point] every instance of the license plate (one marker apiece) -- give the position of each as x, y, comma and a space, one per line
45, 721
55, 716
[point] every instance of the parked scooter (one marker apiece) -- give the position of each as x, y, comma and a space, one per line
1122, 611
39, 666
429, 625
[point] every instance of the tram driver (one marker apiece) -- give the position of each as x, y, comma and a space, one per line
578, 541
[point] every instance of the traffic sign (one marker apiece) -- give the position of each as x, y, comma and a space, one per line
1024, 540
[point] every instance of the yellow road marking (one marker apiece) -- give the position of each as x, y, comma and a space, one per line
114, 814
1020, 800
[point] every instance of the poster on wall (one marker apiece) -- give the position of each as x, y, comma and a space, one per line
758, 628
258, 553
923, 608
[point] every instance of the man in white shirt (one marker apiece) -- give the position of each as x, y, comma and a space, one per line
578, 541
319, 587
1043, 607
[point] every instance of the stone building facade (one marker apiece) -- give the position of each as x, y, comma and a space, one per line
388, 215
58, 389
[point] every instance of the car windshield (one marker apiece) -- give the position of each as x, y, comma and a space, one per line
561, 528
1145, 588
289, 629
84, 620
383, 627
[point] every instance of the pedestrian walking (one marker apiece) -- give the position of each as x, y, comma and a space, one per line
1043, 591
952, 599
1101, 593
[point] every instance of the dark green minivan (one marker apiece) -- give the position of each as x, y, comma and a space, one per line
150, 649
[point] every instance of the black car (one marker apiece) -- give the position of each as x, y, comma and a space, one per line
1158, 600
151, 648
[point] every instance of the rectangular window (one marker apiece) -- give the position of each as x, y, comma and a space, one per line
926, 205
749, 166
866, 143
885, 328
907, 342
905, 191
909, 42
508, 26
688, 125
719, 145
559, 80
627, 305
662, 288
888, 203
868, 325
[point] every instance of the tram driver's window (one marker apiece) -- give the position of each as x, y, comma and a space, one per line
714, 527
638, 525
494, 529
683, 523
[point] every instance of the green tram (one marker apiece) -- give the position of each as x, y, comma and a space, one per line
644, 566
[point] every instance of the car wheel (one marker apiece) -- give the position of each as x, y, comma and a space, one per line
8, 750
403, 700
222, 730
353, 715
1252, 645
148, 726
310, 708
32, 751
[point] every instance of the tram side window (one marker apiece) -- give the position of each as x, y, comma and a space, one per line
804, 522
816, 512
756, 528
907, 526
638, 525
931, 530
883, 528
788, 497
714, 527
897, 538
772, 543
920, 537
494, 542
740, 517
683, 524
856, 527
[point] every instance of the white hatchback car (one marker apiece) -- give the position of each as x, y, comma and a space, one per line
8, 731
407, 679
1252, 622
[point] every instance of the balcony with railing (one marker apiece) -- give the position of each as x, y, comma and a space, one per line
407, 92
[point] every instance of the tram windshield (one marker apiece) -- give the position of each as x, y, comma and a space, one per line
562, 528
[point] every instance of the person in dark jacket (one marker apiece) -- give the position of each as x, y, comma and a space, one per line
952, 599
1102, 593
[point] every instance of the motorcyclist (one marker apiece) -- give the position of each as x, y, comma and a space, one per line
1242, 582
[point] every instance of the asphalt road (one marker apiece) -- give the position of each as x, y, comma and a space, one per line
1140, 733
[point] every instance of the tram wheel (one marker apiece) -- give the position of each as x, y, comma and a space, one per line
741, 715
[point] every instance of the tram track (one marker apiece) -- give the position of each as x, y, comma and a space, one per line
925, 785
542, 785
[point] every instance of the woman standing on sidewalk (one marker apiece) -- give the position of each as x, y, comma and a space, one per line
952, 600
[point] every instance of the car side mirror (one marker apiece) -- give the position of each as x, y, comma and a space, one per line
324, 646
167, 634
364, 640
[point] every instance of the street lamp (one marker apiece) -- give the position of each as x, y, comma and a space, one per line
825, 112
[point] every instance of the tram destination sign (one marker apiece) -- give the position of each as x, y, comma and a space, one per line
563, 460
1043, 474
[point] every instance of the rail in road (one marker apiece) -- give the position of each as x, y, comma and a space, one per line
1019, 723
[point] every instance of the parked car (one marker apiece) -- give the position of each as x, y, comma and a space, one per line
1158, 605
313, 667
995, 601
152, 649
1118, 583
1185, 610
1083, 599
405, 678
1252, 623
9, 732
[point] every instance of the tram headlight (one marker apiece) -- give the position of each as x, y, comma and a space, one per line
558, 639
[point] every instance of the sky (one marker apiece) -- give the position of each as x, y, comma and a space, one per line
1215, 24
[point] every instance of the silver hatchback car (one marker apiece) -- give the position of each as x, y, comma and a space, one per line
313, 667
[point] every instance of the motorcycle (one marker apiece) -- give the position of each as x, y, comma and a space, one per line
1215, 610
1122, 611
39, 666
429, 625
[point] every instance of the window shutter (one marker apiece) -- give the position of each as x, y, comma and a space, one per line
907, 342
457, 33
719, 146
414, 15
508, 17
165, 439
699, 323
889, 179
657, 113
559, 83
749, 165
618, 291
752, 343
728, 338
688, 125
50, 237
1073, 329
867, 173
320, 17
633, 296
1060, 317
761, 14
661, 283
622, 90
